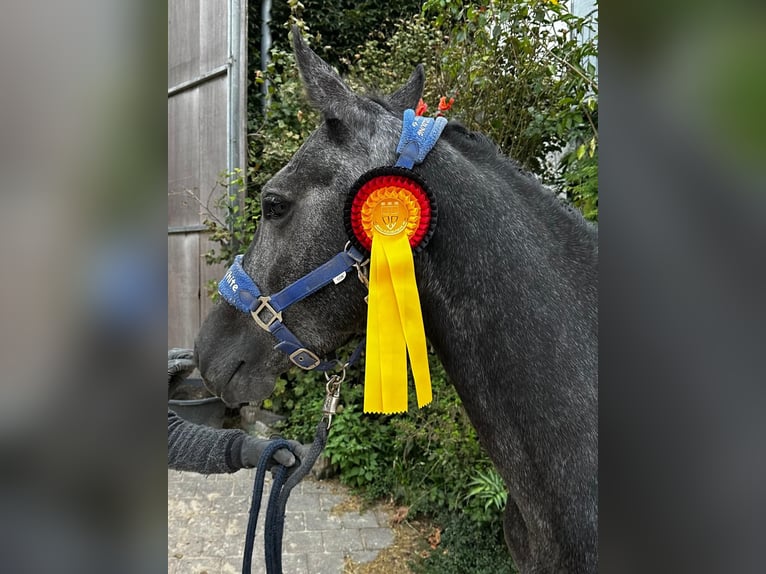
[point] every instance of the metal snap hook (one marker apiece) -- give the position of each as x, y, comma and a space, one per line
335, 377
332, 398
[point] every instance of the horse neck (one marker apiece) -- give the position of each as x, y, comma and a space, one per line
509, 276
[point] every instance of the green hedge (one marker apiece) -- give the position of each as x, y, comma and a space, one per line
428, 459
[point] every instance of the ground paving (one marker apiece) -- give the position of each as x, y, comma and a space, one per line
207, 519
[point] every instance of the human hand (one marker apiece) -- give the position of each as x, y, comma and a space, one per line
180, 365
252, 449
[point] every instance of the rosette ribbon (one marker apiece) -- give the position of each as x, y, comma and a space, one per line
391, 213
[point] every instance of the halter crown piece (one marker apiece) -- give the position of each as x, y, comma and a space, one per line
389, 213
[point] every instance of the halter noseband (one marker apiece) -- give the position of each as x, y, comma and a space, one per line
241, 292
419, 135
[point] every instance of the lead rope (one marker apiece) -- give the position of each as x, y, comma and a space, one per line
286, 479
284, 482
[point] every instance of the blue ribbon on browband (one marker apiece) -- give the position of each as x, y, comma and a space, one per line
419, 135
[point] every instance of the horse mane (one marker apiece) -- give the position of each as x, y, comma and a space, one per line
480, 148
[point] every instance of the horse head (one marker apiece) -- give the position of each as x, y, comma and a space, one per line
301, 228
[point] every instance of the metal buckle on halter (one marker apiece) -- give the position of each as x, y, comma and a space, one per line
296, 357
265, 305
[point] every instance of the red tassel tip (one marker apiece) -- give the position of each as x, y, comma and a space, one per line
421, 108
444, 105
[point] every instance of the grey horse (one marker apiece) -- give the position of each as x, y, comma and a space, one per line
508, 286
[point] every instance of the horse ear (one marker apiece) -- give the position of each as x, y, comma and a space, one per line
325, 90
410, 93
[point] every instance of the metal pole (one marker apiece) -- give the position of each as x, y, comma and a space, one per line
265, 47
235, 107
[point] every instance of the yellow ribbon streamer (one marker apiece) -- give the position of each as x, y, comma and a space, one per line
394, 328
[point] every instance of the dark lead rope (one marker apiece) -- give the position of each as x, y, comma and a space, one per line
285, 479
284, 482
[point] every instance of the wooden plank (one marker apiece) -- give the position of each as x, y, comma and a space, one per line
212, 145
212, 162
183, 41
183, 158
213, 33
208, 273
183, 290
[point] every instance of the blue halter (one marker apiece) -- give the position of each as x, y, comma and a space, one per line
241, 292
419, 135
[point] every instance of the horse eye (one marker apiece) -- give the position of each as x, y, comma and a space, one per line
274, 207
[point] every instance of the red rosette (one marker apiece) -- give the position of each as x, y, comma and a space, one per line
409, 186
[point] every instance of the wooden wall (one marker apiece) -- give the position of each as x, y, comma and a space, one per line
199, 67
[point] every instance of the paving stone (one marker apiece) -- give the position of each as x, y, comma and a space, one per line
326, 562
295, 521
309, 484
243, 485
377, 538
362, 556
295, 563
177, 523
301, 542
223, 546
231, 565
188, 545
236, 525
199, 566
212, 485
238, 504
357, 520
207, 520
342, 541
328, 501
303, 501
180, 507
322, 521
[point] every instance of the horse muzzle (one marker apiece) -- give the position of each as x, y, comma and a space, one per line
236, 361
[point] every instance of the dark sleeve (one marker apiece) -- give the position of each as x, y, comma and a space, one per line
203, 449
